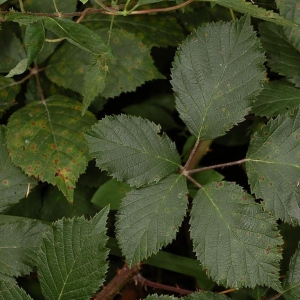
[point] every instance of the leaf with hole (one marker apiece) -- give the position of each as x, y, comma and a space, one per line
149, 217
72, 260
45, 138
214, 89
132, 149
236, 240
273, 166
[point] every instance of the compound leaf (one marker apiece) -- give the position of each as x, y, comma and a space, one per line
72, 261
273, 166
11, 291
19, 244
234, 239
131, 149
291, 284
276, 98
8, 91
45, 138
13, 182
149, 217
214, 88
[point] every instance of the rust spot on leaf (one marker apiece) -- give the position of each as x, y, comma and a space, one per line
5, 182
268, 250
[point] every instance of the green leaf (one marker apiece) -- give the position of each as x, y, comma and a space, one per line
149, 217
156, 297
111, 193
72, 261
204, 295
47, 6
10, 291
153, 30
19, 244
45, 138
11, 50
20, 68
215, 79
14, 183
8, 91
21, 18
283, 58
273, 166
255, 11
132, 149
76, 34
276, 98
234, 239
291, 284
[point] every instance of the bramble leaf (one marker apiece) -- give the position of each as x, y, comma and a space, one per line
214, 89
234, 239
132, 149
72, 261
273, 166
8, 91
45, 138
276, 98
11, 291
149, 217
204, 295
291, 284
13, 182
156, 297
19, 244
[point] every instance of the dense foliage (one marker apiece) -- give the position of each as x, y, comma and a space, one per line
165, 134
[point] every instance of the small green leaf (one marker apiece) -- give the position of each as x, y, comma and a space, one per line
72, 261
273, 166
19, 244
276, 98
84, 1
76, 34
21, 18
132, 149
8, 91
10, 291
291, 284
215, 79
111, 193
14, 183
45, 138
149, 217
205, 295
20, 68
234, 239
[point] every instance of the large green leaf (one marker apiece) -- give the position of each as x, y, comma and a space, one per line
8, 91
203, 295
284, 58
45, 138
76, 34
10, 291
215, 78
273, 166
19, 244
14, 183
276, 98
156, 297
131, 149
291, 283
153, 30
149, 217
234, 239
72, 261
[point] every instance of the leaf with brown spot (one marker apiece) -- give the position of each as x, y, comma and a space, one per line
45, 139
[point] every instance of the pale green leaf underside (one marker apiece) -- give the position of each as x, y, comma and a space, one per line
273, 166
19, 244
72, 261
283, 57
10, 291
216, 73
132, 149
291, 284
149, 217
276, 98
203, 295
45, 139
233, 238
13, 182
